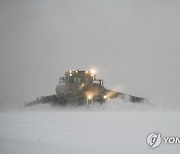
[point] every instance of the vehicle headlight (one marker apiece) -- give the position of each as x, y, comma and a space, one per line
104, 96
89, 96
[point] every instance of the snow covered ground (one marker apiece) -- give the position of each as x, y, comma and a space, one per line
111, 128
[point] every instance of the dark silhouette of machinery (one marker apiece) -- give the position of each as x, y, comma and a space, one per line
82, 87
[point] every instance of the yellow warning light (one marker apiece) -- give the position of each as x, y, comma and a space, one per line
93, 71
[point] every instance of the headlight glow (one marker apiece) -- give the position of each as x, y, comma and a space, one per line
93, 71
89, 96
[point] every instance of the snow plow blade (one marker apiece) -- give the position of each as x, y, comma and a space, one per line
43, 100
130, 98
54, 100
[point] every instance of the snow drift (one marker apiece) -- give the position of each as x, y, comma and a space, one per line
106, 128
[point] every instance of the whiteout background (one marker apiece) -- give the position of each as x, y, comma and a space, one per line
134, 45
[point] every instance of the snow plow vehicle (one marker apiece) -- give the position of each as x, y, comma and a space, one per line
82, 87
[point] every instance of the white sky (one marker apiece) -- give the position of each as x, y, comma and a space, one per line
134, 45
